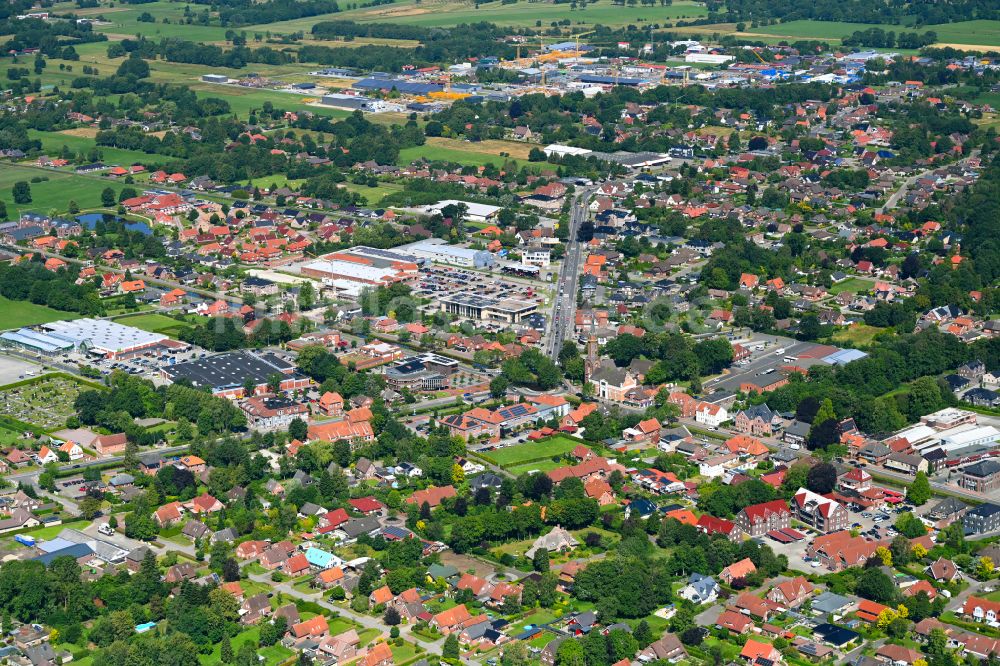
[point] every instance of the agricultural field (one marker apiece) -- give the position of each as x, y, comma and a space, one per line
967, 34
521, 14
462, 152
46, 402
55, 192
17, 314
531, 451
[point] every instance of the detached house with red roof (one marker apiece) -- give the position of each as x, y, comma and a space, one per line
736, 570
432, 495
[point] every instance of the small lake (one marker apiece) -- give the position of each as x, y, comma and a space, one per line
90, 221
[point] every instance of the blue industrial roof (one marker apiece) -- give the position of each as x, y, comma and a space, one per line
844, 356
76, 551
36, 340
320, 558
54, 545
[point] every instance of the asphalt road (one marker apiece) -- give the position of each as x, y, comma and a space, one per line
564, 302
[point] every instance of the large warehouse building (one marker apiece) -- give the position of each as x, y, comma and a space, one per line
225, 374
95, 336
362, 266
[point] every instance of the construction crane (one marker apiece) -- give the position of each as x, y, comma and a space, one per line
754, 51
578, 36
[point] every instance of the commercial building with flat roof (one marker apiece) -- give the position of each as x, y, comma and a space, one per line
427, 372
26, 338
471, 306
451, 254
363, 265
226, 373
475, 212
97, 336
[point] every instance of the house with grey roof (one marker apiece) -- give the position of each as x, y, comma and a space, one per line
829, 603
700, 589
556, 541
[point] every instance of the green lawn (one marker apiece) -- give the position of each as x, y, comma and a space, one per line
25, 313
468, 157
154, 323
405, 652
853, 285
521, 14
243, 100
53, 194
530, 451
537, 466
53, 143
858, 335
374, 194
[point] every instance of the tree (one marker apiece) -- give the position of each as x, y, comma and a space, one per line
450, 648
910, 526
226, 651
920, 490
515, 653
643, 634
90, 507
570, 653
391, 616
140, 526
298, 429
108, 197
21, 192
984, 568
822, 478
885, 555
499, 386
540, 560
274, 382
230, 570
873, 584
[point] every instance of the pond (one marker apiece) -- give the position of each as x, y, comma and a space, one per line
90, 220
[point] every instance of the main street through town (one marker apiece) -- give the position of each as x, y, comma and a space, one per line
564, 301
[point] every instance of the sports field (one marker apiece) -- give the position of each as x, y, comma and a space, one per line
531, 451
521, 14
15, 314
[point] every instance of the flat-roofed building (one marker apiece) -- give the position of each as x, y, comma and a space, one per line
427, 372
103, 337
225, 374
471, 306
441, 253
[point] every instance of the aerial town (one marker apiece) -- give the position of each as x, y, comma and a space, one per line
507, 333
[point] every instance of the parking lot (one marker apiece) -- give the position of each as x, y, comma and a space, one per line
14, 369
872, 525
439, 281
146, 364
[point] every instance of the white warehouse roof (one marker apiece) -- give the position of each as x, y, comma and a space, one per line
103, 335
